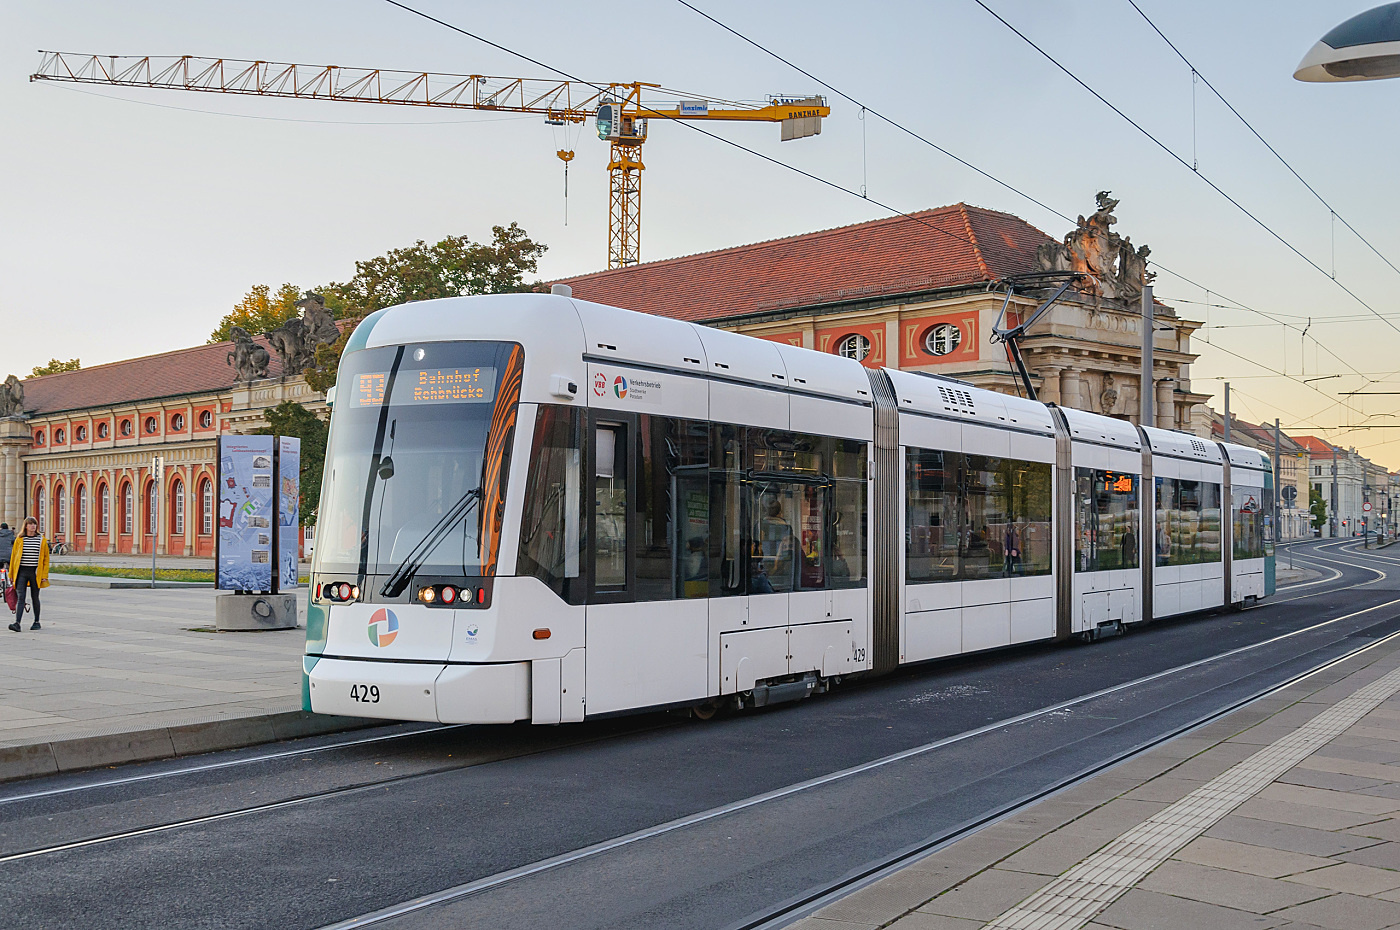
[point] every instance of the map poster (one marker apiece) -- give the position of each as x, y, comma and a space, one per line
288, 510
246, 513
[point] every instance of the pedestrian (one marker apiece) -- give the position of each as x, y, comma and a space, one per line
29, 557
7, 541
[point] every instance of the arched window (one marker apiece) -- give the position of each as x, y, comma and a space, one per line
128, 508
80, 434
853, 346
38, 437
41, 508
177, 507
102, 430
177, 422
60, 511
152, 424
942, 339
59, 436
206, 419
149, 494
104, 509
206, 506
80, 500
126, 428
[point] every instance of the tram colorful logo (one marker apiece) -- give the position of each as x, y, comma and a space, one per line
383, 627
620, 386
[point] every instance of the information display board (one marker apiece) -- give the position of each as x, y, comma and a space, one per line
246, 513
288, 510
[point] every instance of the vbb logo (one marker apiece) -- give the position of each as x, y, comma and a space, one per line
383, 627
600, 384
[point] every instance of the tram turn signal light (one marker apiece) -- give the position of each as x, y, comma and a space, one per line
541, 634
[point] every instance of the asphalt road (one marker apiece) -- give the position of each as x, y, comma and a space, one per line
306, 839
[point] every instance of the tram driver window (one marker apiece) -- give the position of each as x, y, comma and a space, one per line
610, 506
1106, 524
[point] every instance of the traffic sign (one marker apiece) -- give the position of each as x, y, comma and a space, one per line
1366, 507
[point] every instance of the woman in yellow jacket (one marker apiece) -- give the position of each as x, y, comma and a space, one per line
29, 560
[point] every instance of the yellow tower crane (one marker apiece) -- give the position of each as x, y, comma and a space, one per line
621, 115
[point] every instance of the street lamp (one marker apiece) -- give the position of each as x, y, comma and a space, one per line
1364, 48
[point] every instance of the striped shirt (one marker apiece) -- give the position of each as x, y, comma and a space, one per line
30, 556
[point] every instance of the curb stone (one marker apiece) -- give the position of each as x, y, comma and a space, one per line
72, 755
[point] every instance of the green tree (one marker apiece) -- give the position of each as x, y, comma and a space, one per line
259, 311
54, 366
1318, 508
290, 418
454, 267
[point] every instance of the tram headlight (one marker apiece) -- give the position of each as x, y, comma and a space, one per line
354, 592
426, 594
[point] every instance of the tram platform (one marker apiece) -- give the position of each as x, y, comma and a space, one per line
1283, 814
130, 675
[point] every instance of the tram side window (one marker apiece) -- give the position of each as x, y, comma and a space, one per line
1106, 525
849, 515
1248, 511
788, 511
550, 542
1188, 522
610, 511
672, 558
932, 512
971, 517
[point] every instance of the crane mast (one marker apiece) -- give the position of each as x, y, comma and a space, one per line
621, 114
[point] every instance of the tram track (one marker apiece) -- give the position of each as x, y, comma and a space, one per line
694, 819
198, 768
272, 816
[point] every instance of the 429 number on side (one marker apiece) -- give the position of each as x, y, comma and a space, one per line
365, 694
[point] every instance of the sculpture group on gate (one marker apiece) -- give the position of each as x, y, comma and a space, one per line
295, 342
11, 397
1110, 264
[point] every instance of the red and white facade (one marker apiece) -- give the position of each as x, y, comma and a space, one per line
81, 459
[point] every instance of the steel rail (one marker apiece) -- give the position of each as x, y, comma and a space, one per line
499, 879
819, 896
274, 756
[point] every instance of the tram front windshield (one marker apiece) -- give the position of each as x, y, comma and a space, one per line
413, 430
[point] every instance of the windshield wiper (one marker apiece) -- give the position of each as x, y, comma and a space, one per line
399, 579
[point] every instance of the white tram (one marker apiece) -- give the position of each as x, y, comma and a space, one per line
539, 508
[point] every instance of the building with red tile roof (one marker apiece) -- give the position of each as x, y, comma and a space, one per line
921, 292
80, 459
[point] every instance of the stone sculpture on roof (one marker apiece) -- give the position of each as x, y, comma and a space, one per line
11, 397
249, 360
295, 341
1111, 266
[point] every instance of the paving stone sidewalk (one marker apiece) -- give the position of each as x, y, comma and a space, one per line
119, 661
1318, 846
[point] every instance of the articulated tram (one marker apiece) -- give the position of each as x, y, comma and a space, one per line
540, 508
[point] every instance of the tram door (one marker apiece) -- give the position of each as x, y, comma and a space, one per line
646, 628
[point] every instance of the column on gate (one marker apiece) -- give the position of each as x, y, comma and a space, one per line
1166, 405
191, 509
1050, 385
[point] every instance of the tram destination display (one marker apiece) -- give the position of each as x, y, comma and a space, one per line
246, 513
470, 385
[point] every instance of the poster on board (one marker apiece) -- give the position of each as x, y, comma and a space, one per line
288, 510
246, 513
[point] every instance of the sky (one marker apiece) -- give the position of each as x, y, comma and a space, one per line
132, 220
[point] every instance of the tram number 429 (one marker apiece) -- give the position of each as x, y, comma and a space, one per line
365, 694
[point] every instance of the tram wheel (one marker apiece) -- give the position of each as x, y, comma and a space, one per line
708, 710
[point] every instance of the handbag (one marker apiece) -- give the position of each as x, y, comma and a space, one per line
11, 596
